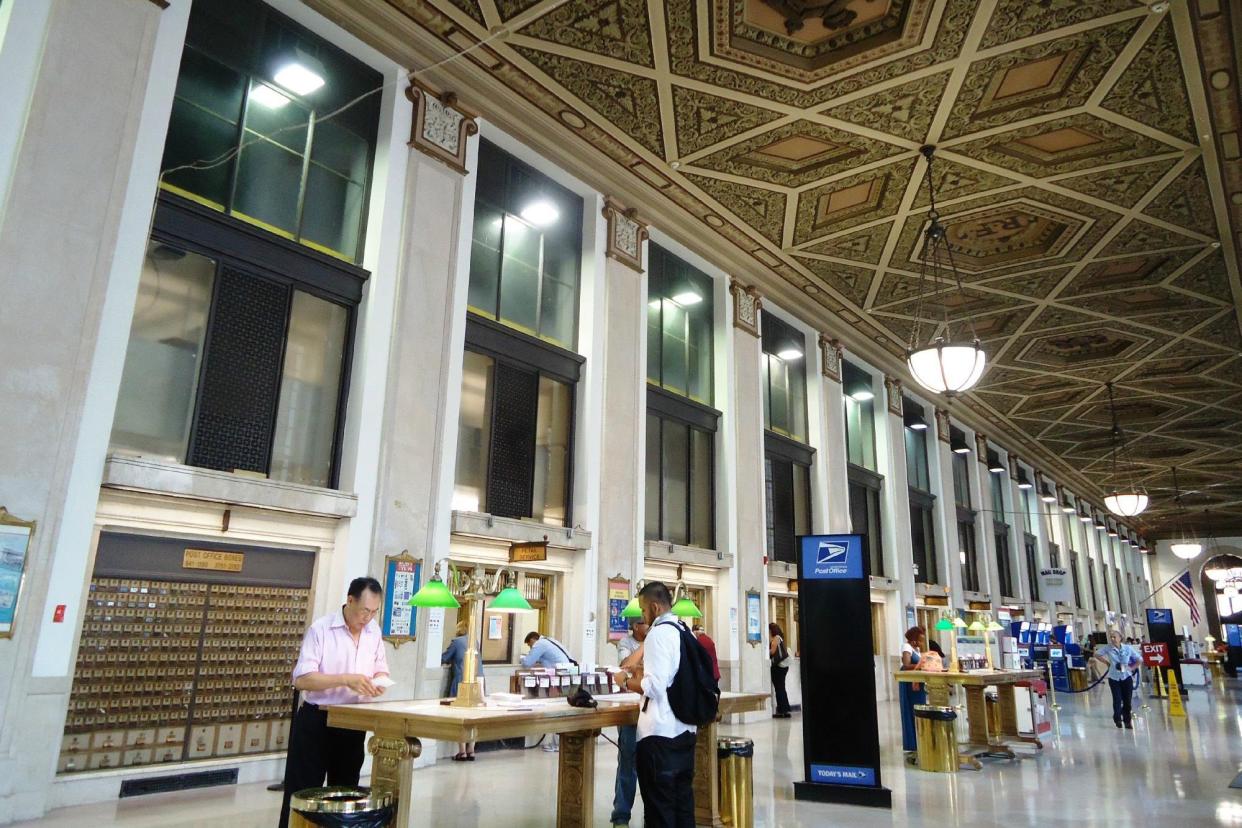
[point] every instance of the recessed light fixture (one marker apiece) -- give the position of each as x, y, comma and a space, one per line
1047, 496
914, 421
540, 213
789, 354
268, 97
299, 76
688, 298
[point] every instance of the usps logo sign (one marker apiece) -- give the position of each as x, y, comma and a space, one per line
832, 556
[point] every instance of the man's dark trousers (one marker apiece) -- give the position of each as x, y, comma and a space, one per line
316, 751
666, 780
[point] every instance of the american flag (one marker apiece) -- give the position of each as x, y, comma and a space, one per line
1184, 589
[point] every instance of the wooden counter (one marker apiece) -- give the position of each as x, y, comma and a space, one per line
398, 727
982, 741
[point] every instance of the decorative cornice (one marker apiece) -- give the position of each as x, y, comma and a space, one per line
747, 307
832, 355
441, 125
942, 424
892, 387
626, 234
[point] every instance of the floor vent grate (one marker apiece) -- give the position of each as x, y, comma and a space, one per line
178, 782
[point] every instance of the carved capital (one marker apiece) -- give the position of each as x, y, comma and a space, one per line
747, 305
981, 447
441, 125
942, 424
832, 355
626, 235
1013, 467
892, 387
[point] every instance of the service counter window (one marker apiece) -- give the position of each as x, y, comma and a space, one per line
787, 488
515, 435
501, 633
783, 610
865, 489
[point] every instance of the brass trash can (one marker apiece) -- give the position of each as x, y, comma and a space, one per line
340, 807
1078, 678
936, 734
737, 795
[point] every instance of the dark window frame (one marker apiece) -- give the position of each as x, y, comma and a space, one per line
670, 406
773, 329
967, 530
873, 486
785, 450
657, 260
1030, 546
922, 506
239, 245
1004, 558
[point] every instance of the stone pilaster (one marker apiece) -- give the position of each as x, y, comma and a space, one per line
834, 452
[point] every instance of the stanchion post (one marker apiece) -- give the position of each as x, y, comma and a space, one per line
1052, 690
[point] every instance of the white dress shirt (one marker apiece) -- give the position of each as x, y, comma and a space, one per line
661, 658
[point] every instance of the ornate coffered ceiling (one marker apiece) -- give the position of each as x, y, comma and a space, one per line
1088, 172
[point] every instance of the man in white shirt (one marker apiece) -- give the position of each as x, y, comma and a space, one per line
665, 755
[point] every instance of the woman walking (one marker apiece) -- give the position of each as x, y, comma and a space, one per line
779, 653
456, 656
911, 654
1122, 660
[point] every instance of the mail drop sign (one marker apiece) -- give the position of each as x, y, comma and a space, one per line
830, 557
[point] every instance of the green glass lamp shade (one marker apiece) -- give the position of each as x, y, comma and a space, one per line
977, 626
632, 609
510, 600
685, 608
944, 624
434, 594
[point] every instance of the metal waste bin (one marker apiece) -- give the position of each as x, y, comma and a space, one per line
340, 807
1078, 678
737, 796
936, 733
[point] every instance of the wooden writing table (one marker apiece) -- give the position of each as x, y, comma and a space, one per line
398, 726
981, 740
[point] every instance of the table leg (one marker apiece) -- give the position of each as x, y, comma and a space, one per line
392, 771
575, 786
706, 778
976, 715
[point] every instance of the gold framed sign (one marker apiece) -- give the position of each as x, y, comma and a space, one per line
402, 574
528, 552
15, 537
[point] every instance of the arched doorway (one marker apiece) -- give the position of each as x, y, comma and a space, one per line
1221, 580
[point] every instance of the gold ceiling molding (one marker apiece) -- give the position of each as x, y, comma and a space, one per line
1081, 165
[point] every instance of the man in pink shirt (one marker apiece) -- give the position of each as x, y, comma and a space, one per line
341, 653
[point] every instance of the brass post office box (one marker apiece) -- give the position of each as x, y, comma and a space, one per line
108, 739
170, 735
228, 742
167, 754
76, 741
140, 738
202, 741
102, 760
70, 762
254, 737
136, 757
278, 739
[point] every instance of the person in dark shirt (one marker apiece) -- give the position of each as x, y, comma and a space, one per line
710, 646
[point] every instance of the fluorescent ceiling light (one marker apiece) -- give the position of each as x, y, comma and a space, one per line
789, 354
298, 78
540, 213
688, 298
266, 96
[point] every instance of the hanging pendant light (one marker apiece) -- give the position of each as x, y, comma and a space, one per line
1185, 547
1125, 500
941, 363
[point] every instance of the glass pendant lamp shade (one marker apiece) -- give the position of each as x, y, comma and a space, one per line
1126, 504
1186, 550
434, 594
632, 609
1230, 591
947, 367
685, 608
510, 600
944, 625
1217, 573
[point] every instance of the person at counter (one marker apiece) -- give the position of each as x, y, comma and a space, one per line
342, 655
630, 655
546, 651
911, 654
456, 656
1122, 660
665, 755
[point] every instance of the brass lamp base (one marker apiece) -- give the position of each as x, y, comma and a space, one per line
469, 694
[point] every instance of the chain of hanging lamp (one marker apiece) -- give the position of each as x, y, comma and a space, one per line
1128, 500
940, 364
1184, 547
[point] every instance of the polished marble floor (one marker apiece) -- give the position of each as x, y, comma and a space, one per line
1164, 772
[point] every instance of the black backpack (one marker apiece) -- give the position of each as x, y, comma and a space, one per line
694, 694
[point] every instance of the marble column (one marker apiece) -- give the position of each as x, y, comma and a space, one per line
1017, 532
749, 504
985, 540
621, 529
419, 439
84, 150
833, 455
947, 546
899, 562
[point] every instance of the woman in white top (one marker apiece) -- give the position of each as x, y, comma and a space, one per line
911, 652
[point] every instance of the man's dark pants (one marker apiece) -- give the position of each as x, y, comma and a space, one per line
1122, 693
666, 780
316, 751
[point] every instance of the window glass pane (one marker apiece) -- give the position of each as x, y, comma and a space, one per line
655, 337
929, 536
785, 377
474, 433
702, 529
766, 391
652, 517
676, 451
559, 302
778, 374
673, 347
551, 495
875, 534
333, 210
797, 400
310, 386
269, 174
961, 479
519, 275
204, 124
699, 339
770, 544
802, 499
916, 459
160, 378
998, 496
485, 259
860, 432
